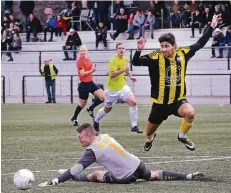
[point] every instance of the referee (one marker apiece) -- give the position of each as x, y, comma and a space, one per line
167, 69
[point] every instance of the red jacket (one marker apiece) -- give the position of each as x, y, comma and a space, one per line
62, 24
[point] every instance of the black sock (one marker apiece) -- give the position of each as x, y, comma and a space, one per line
80, 177
77, 111
95, 104
173, 176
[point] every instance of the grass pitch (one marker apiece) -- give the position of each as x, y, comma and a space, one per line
42, 139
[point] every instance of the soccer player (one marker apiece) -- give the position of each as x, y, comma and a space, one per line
86, 85
117, 89
167, 69
122, 167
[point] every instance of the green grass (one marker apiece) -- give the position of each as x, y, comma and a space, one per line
44, 137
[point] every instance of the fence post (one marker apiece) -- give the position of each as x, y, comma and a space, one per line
23, 89
71, 85
40, 59
230, 89
3, 90
131, 59
229, 62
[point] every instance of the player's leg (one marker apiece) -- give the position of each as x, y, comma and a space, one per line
99, 98
187, 112
158, 114
98, 176
83, 96
110, 99
166, 175
130, 99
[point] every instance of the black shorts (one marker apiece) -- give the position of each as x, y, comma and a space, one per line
142, 172
160, 112
85, 88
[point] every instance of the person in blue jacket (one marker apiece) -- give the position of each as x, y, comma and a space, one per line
218, 41
50, 26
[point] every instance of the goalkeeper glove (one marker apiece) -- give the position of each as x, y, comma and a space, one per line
50, 183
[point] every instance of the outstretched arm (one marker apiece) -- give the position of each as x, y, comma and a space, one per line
87, 159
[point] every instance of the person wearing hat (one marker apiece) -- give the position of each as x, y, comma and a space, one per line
218, 41
72, 43
167, 69
49, 72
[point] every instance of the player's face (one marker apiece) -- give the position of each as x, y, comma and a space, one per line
120, 50
85, 138
83, 51
167, 49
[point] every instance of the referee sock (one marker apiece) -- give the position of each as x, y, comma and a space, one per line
185, 126
77, 111
165, 175
101, 113
95, 104
133, 112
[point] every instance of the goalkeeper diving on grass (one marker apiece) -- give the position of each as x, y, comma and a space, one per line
121, 167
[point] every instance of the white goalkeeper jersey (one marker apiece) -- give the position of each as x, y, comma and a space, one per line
110, 154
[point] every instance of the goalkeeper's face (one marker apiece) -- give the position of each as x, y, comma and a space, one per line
85, 138
167, 49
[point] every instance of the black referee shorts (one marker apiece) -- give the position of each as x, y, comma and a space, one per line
160, 112
85, 88
142, 172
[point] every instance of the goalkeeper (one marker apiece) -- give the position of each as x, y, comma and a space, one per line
122, 167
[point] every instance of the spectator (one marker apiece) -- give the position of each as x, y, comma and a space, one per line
121, 23
50, 26
196, 23
207, 16
116, 10
139, 20
26, 8
49, 72
175, 14
9, 5
6, 22
130, 26
101, 35
150, 22
218, 11
15, 46
34, 27
227, 14
193, 6
60, 26
75, 13
8, 34
17, 23
218, 41
228, 39
103, 8
186, 16
72, 43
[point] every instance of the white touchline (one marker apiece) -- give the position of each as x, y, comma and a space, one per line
177, 161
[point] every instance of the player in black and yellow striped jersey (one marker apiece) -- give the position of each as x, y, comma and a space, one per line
167, 69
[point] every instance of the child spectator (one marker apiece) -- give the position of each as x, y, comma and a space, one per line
101, 35
15, 46
139, 20
130, 26
60, 25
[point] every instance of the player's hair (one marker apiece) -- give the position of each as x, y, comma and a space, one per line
86, 127
118, 44
167, 37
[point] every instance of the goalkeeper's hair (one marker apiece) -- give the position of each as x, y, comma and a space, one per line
167, 37
86, 127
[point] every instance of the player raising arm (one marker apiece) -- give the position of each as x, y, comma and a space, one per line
167, 69
122, 167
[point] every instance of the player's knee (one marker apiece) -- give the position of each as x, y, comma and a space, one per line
107, 109
190, 115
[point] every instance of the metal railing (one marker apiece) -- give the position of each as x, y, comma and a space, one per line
3, 90
137, 75
131, 52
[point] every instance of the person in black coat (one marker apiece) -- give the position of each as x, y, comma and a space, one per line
75, 13
26, 8
72, 43
101, 35
34, 27
197, 22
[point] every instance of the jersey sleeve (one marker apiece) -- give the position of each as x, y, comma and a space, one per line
145, 60
191, 50
80, 64
87, 159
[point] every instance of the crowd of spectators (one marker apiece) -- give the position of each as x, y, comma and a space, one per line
176, 14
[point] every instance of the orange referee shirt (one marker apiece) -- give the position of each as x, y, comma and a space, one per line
84, 63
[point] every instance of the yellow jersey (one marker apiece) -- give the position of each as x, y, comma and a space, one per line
118, 82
